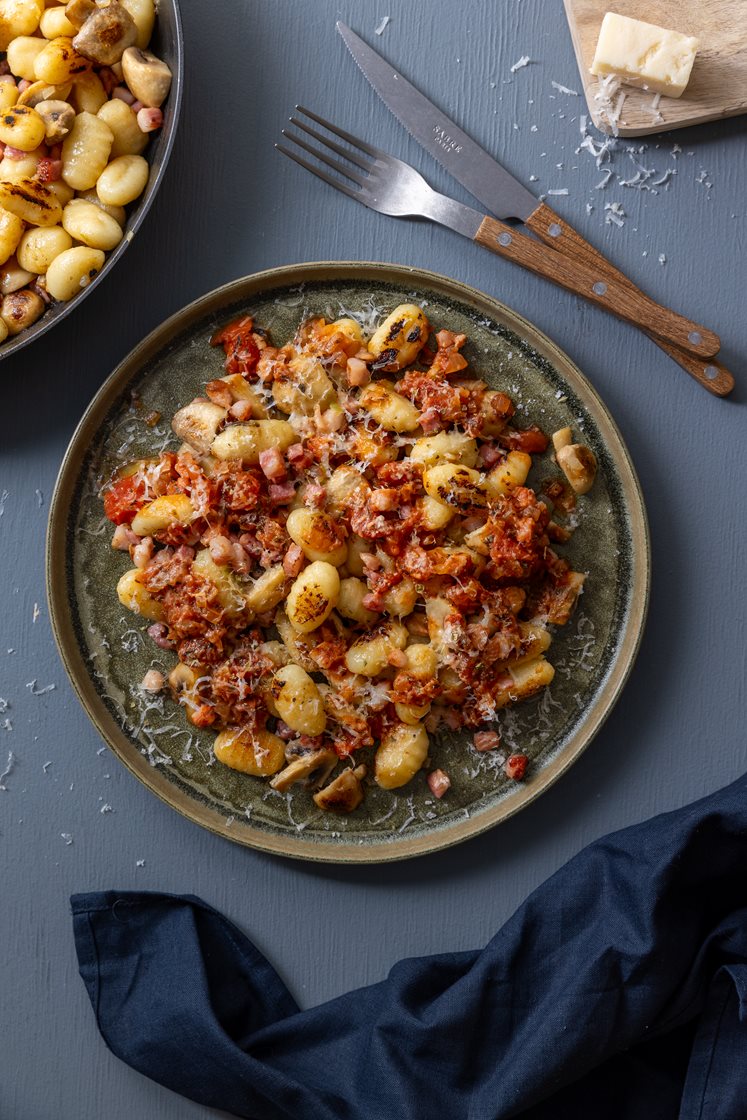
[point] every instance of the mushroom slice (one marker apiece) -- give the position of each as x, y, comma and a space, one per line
579, 465
344, 793
58, 118
197, 423
312, 768
148, 77
39, 92
106, 35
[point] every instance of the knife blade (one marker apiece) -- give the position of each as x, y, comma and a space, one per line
506, 197
462, 156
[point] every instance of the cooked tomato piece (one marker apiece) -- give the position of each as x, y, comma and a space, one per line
532, 440
242, 355
123, 499
227, 334
237, 339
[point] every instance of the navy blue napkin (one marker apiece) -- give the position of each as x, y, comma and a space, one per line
617, 991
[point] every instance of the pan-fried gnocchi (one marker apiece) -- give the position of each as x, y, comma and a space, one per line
341, 563
73, 144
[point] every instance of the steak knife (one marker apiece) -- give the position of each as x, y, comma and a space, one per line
505, 197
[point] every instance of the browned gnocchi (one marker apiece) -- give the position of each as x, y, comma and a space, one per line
79, 95
342, 563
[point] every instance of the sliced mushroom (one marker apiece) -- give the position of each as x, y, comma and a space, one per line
579, 465
21, 309
78, 11
58, 117
344, 794
148, 77
312, 768
106, 34
197, 423
39, 92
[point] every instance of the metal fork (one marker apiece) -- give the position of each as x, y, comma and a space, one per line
391, 186
387, 184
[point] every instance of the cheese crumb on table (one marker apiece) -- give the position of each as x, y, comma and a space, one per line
644, 55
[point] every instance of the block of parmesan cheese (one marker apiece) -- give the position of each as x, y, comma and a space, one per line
644, 55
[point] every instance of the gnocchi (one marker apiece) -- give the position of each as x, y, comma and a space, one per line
74, 145
404, 560
313, 596
298, 700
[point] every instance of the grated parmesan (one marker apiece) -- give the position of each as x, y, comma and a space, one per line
9, 768
564, 89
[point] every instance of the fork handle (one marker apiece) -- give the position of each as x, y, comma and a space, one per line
609, 293
562, 237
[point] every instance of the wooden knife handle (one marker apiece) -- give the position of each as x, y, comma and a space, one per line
609, 293
562, 237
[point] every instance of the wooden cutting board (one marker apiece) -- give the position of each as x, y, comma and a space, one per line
718, 85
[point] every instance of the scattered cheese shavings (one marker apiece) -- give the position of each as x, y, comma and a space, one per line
606, 90
139, 863
39, 498
31, 686
523, 61
106, 808
67, 837
564, 89
9, 768
619, 105
615, 215
46, 766
664, 179
36, 613
603, 182
562, 190
582, 124
386, 20
662, 258
600, 151
533, 178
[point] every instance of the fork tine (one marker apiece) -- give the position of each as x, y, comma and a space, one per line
333, 182
365, 164
350, 139
334, 164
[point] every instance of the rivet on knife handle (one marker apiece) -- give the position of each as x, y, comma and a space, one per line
619, 299
556, 232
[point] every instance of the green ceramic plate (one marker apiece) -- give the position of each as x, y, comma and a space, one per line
106, 651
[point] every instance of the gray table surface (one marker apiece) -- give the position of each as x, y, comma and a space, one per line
231, 205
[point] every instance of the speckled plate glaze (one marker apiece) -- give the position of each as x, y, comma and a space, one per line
106, 651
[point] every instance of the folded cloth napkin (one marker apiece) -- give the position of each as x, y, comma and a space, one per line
618, 990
